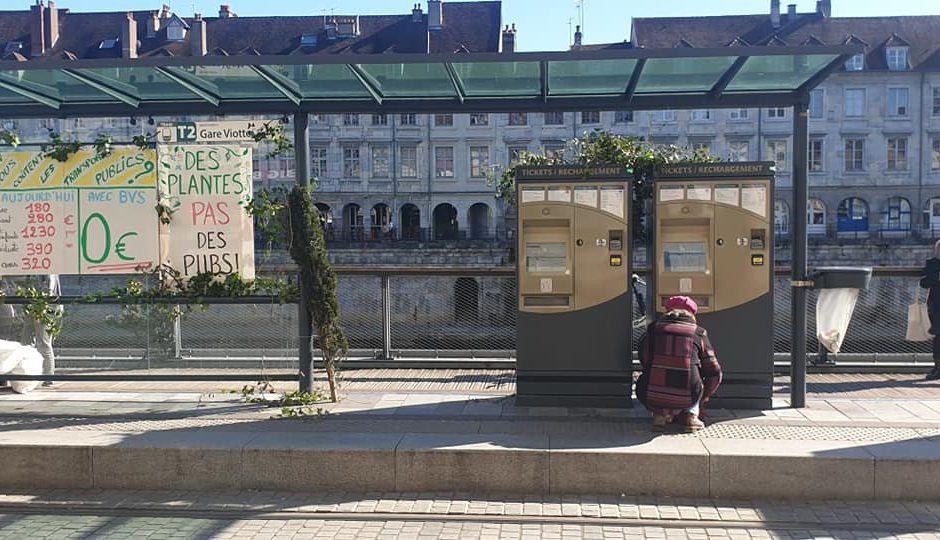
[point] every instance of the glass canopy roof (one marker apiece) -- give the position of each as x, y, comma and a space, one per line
616, 79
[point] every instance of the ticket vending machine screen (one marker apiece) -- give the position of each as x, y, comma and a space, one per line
685, 257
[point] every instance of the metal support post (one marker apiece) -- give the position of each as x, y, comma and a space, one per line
386, 317
799, 269
305, 333
177, 334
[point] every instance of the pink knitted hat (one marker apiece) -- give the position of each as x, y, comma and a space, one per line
682, 302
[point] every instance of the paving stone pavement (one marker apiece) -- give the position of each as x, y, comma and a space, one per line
277, 515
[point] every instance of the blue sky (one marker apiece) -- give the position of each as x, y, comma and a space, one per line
542, 24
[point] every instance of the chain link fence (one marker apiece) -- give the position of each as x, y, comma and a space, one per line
441, 314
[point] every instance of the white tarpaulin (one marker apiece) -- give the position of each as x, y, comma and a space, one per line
834, 309
20, 360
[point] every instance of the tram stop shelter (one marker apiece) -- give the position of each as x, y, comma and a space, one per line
298, 85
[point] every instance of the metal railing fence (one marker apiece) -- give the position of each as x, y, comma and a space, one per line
409, 313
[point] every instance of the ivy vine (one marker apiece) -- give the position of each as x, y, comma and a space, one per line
276, 133
61, 149
9, 138
41, 307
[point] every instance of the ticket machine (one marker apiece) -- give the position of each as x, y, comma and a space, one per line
574, 318
714, 242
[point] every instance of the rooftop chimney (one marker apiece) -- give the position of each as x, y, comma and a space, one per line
129, 37
435, 15
166, 12
225, 12
51, 26
509, 39
416, 14
791, 12
824, 8
198, 39
37, 34
153, 24
577, 36
775, 13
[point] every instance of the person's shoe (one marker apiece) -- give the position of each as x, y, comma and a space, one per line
934, 375
47, 383
692, 423
660, 421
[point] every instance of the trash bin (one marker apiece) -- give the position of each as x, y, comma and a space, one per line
839, 287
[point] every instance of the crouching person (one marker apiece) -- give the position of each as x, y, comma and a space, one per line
680, 369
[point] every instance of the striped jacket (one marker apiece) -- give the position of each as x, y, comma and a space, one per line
679, 365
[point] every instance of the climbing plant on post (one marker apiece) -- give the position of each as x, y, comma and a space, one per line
308, 250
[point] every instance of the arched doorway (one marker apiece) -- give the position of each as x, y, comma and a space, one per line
480, 221
781, 218
445, 222
466, 299
352, 219
896, 217
326, 219
816, 218
380, 221
410, 222
931, 222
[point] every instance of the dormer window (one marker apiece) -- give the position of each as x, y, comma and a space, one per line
175, 33
12, 46
308, 39
856, 63
897, 58
108, 43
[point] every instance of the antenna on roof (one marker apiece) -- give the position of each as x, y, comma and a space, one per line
580, 5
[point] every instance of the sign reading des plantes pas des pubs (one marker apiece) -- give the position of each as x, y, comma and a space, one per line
204, 190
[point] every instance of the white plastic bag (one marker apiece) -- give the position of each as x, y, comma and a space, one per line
834, 309
918, 322
20, 360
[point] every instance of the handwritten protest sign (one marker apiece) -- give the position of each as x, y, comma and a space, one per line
206, 187
92, 214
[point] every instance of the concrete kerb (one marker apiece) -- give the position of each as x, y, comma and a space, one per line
673, 466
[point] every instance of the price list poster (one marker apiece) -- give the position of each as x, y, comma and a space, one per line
92, 214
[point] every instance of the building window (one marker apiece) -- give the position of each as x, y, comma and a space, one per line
777, 152
444, 161
897, 154
816, 217
739, 150
554, 118
515, 153
897, 58
479, 161
896, 215
701, 115
815, 155
380, 119
409, 161
590, 117
816, 103
623, 117
350, 119
854, 102
408, 119
175, 32
664, 116
737, 114
852, 216
318, 161
351, 167
285, 166
897, 101
935, 154
856, 63
777, 112
443, 120
936, 101
781, 218
319, 119
701, 148
855, 154
518, 119
479, 119
555, 151
380, 161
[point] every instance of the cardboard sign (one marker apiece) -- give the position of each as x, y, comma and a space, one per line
207, 186
89, 215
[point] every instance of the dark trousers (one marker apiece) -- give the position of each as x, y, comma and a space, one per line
936, 339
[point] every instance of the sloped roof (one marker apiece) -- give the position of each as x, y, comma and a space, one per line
470, 26
922, 33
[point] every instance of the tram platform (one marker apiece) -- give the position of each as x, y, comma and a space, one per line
862, 437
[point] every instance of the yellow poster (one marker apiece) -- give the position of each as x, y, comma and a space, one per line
124, 166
